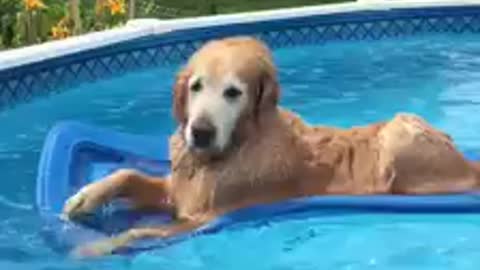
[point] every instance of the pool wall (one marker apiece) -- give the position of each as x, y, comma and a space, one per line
52, 67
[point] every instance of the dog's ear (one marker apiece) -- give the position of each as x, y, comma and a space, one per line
180, 94
267, 93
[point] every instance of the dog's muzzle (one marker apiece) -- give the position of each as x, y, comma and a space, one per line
203, 133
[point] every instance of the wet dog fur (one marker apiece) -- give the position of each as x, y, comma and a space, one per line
235, 147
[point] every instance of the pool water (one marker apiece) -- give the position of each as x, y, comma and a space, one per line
340, 84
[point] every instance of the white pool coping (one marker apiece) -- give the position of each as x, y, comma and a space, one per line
145, 27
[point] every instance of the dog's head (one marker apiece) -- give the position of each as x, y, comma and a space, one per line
225, 83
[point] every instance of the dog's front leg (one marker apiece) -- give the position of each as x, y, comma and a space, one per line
110, 245
143, 191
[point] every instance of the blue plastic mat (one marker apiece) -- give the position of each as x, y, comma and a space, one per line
75, 154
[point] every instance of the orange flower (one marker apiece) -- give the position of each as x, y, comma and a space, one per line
34, 4
116, 6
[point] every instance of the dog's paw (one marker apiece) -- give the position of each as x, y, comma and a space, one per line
85, 201
93, 250
103, 247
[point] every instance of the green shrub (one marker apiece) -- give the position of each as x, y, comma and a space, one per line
19, 27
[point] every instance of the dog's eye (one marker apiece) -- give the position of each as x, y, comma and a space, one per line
232, 93
196, 86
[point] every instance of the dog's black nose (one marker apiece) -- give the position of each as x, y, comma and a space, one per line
203, 133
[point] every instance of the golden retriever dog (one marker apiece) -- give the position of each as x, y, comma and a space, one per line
235, 147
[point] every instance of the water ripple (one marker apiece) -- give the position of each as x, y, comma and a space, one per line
15, 205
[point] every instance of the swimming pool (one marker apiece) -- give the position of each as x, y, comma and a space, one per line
337, 83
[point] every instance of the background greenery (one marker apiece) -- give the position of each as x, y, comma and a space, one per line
206, 7
19, 27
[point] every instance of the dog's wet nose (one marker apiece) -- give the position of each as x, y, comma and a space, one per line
203, 133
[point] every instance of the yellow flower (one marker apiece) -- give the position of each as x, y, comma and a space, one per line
34, 4
116, 6
60, 31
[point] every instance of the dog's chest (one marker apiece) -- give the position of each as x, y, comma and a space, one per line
192, 195
210, 188
230, 182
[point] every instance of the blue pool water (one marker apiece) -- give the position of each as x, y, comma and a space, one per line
341, 84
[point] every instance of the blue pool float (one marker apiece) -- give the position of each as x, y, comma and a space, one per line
76, 154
